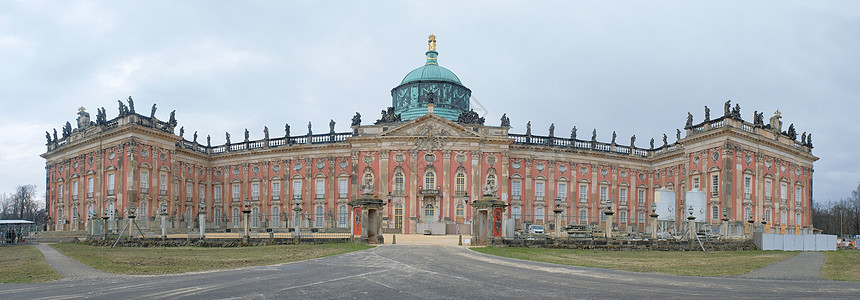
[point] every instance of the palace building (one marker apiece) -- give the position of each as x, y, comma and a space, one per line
426, 157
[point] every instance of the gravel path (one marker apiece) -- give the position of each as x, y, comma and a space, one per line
804, 266
69, 268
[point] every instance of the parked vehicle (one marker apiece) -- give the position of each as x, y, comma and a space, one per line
535, 229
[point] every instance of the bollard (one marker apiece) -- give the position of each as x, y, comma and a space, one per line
394, 239
460, 243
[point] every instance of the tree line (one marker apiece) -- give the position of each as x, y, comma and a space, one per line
839, 217
22, 205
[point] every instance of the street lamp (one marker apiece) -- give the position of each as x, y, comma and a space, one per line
389, 197
466, 198
608, 214
654, 220
726, 222
246, 210
297, 208
692, 220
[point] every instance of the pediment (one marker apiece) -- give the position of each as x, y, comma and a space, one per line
431, 126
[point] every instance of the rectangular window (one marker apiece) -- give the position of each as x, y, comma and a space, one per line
237, 192
516, 189
715, 213
460, 183
747, 187
783, 191
583, 217
696, 183
319, 185
641, 197
144, 182
217, 194
276, 190
641, 217
583, 193
768, 189
604, 194
343, 187
297, 188
342, 215
91, 184
111, 181
202, 192
798, 193
767, 215
622, 217
75, 190
622, 196
276, 217
797, 219
539, 215
539, 191
162, 184
783, 217
715, 185
562, 191
516, 212
255, 191
235, 217
60, 192
189, 191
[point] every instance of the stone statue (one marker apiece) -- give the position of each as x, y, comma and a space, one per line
552, 130
152, 112
809, 140
227, 134
736, 112
529, 128
505, 121
633, 141
573, 133
208, 141
331, 124
652, 143
181, 131
48, 137
689, 120
195, 137
247, 135
130, 105
594, 135
172, 118
727, 108
266, 132
707, 113
677, 134
356, 119
792, 134
431, 42
287, 130
309, 128
121, 108
613, 137
430, 98
802, 138
470, 117
55, 135
388, 116
489, 189
665, 140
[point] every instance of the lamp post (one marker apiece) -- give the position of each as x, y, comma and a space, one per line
764, 225
105, 217
297, 209
692, 225
558, 210
608, 214
202, 218
163, 215
725, 222
654, 220
459, 235
750, 222
246, 211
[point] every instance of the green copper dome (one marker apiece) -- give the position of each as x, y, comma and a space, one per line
431, 71
430, 83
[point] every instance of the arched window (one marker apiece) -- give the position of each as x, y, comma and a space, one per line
429, 212
341, 216
398, 216
398, 183
491, 179
255, 217
276, 217
767, 215
461, 213
460, 183
715, 212
430, 180
747, 213
320, 216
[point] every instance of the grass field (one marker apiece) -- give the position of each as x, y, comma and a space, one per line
170, 260
720, 263
841, 265
24, 264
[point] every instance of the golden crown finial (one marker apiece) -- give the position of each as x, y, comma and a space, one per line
777, 113
431, 41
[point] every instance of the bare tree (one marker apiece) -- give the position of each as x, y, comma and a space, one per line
840, 217
22, 205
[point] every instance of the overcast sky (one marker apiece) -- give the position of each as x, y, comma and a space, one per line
632, 67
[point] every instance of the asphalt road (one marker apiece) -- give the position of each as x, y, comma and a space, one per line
425, 272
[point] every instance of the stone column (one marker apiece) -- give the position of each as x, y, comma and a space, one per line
558, 211
608, 223
692, 227
653, 224
163, 224
202, 219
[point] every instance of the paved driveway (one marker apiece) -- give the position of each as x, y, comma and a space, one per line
426, 272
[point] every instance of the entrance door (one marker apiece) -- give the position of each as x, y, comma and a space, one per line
429, 213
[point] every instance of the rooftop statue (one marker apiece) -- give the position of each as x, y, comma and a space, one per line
665, 140
677, 134
152, 112
792, 134
633, 141
470, 117
736, 112
689, 120
431, 42
573, 133
227, 135
55, 135
388, 116
802, 138
122, 108
552, 130
172, 118
247, 135
505, 121
707, 113
613, 137
130, 105
195, 137
48, 137
529, 128
809, 140
727, 107
331, 124
266, 132
208, 141
652, 143
594, 135
181, 131
356, 119
287, 130
309, 128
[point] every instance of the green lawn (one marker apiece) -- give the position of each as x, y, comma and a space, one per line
24, 264
841, 265
172, 260
717, 263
